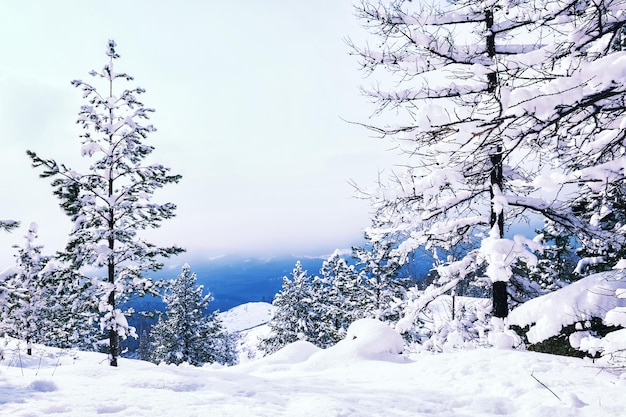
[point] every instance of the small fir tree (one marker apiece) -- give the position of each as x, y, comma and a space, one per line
293, 319
186, 334
144, 346
49, 305
339, 299
19, 314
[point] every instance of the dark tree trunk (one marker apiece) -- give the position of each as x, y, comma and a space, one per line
500, 299
113, 336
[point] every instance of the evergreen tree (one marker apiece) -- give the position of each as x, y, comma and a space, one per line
50, 305
604, 208
339, 299
186, 334
383, 289
19, 314
293, 318
144, 346
5, 289
111, 203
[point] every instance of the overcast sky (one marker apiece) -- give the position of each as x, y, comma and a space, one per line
249, 100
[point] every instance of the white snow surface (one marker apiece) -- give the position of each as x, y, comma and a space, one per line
364, 375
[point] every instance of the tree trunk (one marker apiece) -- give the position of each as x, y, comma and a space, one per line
113, 336
500, 299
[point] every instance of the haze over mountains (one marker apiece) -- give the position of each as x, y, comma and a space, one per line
234, 279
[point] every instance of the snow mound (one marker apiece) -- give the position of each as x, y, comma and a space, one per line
372, 338
283, 359
366, 339
294, 352
592, 296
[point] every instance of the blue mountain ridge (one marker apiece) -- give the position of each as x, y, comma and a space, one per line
234, 280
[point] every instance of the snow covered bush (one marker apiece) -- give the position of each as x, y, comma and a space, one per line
47, 305
317, 309
294, 318
438, 322
583, 318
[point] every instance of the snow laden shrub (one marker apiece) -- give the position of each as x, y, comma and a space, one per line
586, 318
437, 320
112, 201
186, 334
339, 299
20, 307
383, 290
554, 268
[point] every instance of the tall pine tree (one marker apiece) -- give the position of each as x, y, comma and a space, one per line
112, 202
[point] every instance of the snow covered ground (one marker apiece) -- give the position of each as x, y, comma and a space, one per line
364, 375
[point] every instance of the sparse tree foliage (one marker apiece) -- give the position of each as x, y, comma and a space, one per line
8, 225
112, 202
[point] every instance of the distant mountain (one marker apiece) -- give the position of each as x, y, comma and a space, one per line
235, 280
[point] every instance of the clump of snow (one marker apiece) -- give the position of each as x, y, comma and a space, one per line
621, 264
282, 359
373, 338
366, 339
500, 337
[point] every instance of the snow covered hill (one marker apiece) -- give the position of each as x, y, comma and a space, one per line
364, 375
247, 316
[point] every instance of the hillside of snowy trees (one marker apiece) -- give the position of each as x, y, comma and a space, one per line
508, 119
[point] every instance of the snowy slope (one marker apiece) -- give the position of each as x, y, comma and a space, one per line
247, 316
361, 376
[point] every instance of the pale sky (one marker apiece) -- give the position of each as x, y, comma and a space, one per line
249, 100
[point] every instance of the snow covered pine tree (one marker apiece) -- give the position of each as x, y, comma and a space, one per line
294, 318
111, 203
187, 334
19, 311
